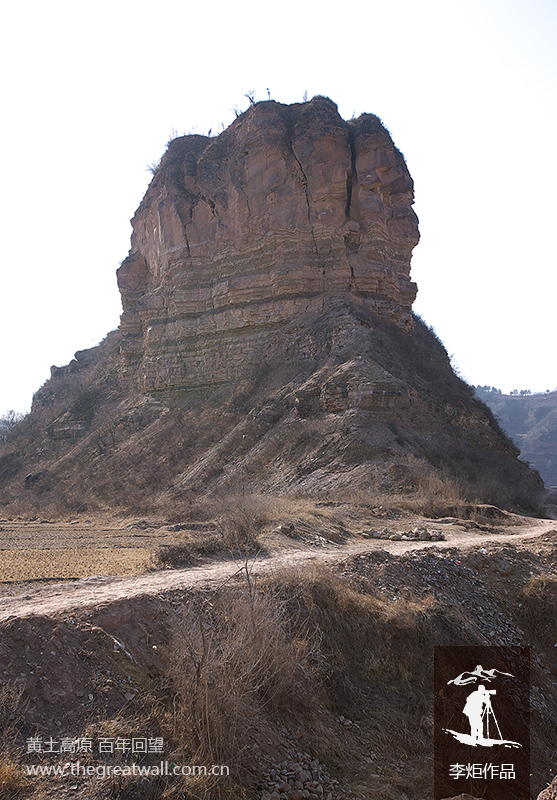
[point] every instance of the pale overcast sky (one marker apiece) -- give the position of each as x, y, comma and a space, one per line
91, 92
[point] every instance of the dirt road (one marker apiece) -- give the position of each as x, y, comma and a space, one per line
94, 591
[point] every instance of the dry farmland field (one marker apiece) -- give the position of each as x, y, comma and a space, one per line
41, 551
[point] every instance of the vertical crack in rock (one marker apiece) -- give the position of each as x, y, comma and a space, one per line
210, 203
308, 202
348, 192
186, 219
241, 188
187, 241
351, 182
351, 175
237, 174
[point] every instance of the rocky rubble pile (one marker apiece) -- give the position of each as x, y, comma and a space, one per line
299, 778
416, 534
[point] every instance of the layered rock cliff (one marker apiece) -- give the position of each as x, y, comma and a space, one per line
267, 342
239, 234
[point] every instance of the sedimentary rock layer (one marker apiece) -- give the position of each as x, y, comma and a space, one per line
241, 233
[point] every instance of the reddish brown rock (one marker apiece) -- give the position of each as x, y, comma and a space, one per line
550, 793
241, 233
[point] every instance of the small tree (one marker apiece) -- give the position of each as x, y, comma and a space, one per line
8, 423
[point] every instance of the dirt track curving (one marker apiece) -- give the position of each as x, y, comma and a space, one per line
93, 591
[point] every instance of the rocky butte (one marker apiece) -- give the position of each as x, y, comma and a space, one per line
267, 342
240, 234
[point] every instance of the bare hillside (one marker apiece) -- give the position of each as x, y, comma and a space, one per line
531, 422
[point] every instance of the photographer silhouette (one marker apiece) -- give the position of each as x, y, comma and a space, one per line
478, 705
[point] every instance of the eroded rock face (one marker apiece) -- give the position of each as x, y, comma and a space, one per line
550, 793
241, 233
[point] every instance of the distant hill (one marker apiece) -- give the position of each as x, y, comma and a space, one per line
531, 422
